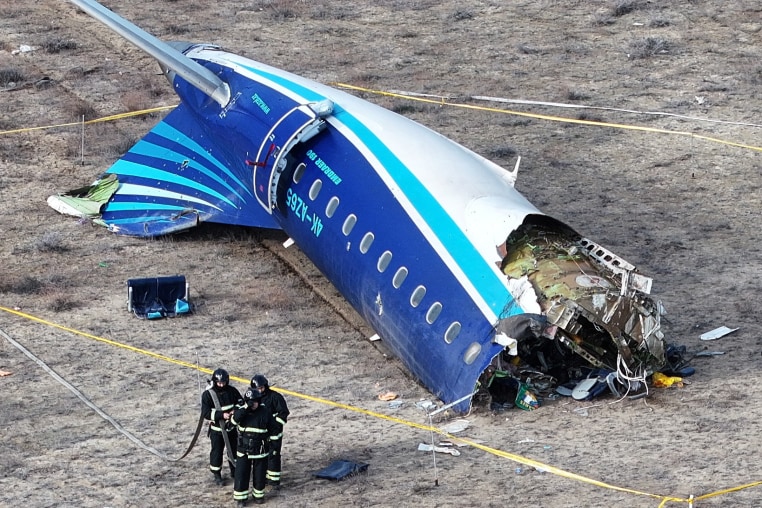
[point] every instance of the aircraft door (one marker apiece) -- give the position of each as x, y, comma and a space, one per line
298, 125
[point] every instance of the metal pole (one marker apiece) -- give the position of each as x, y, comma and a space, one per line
433, 453
82, 147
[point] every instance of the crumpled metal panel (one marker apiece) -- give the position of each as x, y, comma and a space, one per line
597, 301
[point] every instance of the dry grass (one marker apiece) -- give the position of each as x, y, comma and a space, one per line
679, 208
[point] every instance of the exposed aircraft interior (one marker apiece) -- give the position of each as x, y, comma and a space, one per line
593, 311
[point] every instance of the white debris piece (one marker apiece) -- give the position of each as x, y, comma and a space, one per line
423, 447
717, 333
455, 426
425, 405
24, 48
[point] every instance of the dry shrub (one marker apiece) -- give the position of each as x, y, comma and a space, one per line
622, 7
26, 285
10, 75
332, 12
120, 146
461, 15
603, 19
284, 10
50, 242
56, 45
407, 107
502, 152
135, 101
648, 47
659, 22
77, 108
755, 76
576, 95
177, 29
589, 117
62, 303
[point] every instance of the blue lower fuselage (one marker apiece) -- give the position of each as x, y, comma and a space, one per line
350, 201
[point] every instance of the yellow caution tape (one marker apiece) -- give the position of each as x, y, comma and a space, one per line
110, 118
443, 101
540, 466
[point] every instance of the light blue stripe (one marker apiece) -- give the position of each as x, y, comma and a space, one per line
169, 132
147, 149
475, 267
128, 206
123, 167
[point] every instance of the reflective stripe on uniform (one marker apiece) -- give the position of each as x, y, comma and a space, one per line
252, 456
240, 496
253, 430
223, 409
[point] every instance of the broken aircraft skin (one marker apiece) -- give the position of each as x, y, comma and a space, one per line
428, 241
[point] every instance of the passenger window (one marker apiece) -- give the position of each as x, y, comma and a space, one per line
349, 223
330, 209
383, 261
417, 296
472, 352
433, 313
399, 277
366, 242
315, 189
452, 331
299, 172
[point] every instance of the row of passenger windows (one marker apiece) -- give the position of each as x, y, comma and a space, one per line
383, 260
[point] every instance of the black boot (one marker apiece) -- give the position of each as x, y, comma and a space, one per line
218, 478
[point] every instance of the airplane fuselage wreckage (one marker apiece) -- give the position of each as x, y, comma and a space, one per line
428, 241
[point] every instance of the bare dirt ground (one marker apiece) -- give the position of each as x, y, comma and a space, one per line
685, 210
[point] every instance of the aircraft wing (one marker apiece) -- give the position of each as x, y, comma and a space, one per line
172, 179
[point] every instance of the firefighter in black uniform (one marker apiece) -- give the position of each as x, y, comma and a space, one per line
276, 404
255, 426
219, 413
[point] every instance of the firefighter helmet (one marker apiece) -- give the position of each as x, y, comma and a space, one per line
259, 381
220, 376
252, 395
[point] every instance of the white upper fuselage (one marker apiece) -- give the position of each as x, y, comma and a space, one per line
463, 204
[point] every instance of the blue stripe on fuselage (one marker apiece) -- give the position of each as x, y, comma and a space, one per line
475, 267
169, 132
128, 168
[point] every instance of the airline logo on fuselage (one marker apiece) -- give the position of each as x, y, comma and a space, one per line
261, 103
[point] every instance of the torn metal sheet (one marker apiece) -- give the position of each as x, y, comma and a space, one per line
423, 447
717, 333
594, 308
86, 201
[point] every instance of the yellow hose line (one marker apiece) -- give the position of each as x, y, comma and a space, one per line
118, 116
444, 102
540, 466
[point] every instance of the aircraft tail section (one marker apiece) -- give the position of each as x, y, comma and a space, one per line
172, 179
